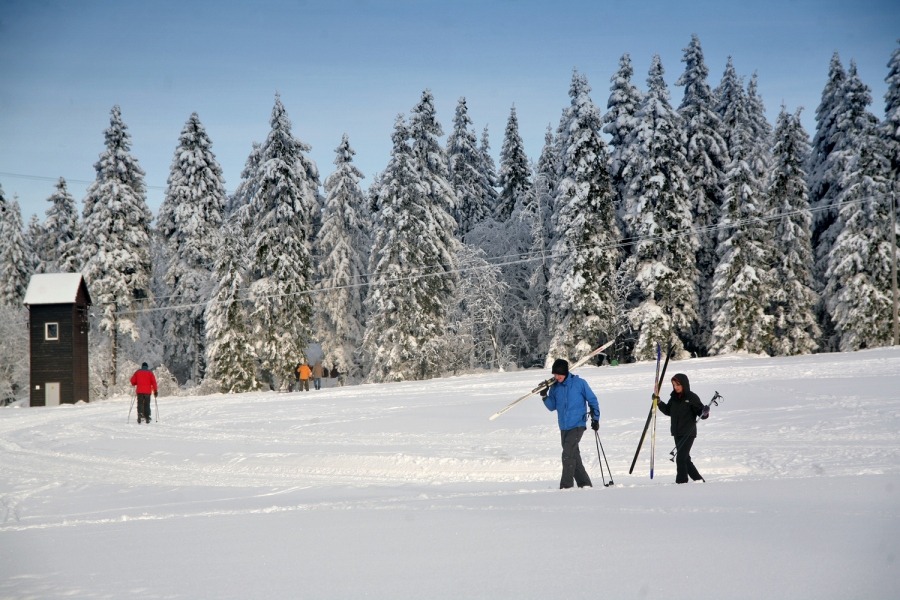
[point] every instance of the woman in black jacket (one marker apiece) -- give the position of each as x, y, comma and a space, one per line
683, 408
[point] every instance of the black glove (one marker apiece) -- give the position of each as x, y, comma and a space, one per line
654, 397
595, 424
544, 391
155, 394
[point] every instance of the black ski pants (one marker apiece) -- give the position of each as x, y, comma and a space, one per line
143, 402
683, 464
573, 471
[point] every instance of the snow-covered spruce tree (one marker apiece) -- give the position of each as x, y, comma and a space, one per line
36, 246
619, 122
115, 238
743, 283
541, 203
230, 355
280, 268
724, 100
62, 230
342, 247
190, 221
466, 163
793, 300
707, 156
858, 276
585, 255
239, 202
890, 126
514, 170
548, 164
411, 287
760, 130
489, 177
659, 218
852, 123
16, 266
373, 198
823, 170
431, 162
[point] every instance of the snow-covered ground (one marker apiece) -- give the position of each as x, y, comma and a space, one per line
409, 491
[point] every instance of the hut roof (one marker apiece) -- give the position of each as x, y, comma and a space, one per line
54, 288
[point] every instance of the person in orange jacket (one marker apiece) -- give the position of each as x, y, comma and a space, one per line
145, 384
303, 374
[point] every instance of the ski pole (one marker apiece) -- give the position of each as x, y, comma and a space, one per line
599, 460
675, 450
599, 451
133, 398
156, 402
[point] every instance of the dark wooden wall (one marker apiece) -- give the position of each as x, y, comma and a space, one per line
64, 360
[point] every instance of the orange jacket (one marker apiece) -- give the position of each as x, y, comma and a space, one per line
304, 371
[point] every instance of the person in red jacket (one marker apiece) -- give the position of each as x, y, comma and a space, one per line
145, 384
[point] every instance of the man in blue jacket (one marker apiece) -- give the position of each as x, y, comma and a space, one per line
571, 397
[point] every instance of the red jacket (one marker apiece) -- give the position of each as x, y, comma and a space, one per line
145, 381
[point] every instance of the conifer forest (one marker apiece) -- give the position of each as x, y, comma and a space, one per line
698, 224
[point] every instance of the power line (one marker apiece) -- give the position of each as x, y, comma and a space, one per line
67, 180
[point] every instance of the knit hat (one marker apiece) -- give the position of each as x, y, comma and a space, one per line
560, 367
145, 366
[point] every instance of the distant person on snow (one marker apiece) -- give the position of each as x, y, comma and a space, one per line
683, 408
145, 384
297, 375
317, 372
303, 375
571, 397
336, 375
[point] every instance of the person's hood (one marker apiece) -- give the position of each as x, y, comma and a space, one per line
683, 380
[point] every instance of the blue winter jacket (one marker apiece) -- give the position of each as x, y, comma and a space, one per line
570, 400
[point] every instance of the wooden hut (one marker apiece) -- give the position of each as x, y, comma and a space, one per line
58, 337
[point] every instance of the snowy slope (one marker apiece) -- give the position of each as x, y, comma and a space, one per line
409, 491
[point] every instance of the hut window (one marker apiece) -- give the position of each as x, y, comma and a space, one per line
51, 331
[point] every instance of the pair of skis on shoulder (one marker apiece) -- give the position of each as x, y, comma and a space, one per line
544, 385
651, 416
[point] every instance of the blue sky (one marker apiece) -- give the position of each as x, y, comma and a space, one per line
352, 66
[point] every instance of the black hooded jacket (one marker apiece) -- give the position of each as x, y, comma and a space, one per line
682, 408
